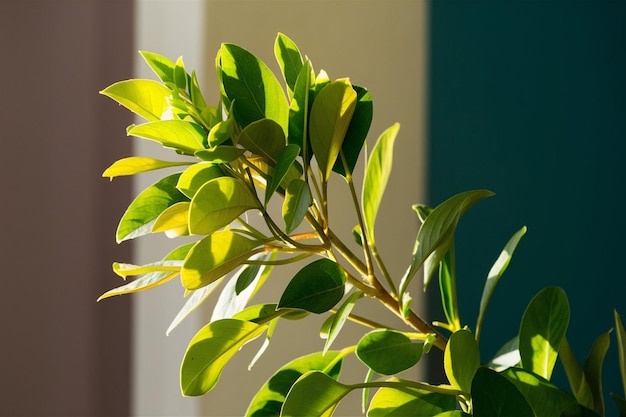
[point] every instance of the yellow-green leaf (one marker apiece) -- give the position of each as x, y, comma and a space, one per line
187, 137
461, 359
137, 164
147, 98
196, 176
173, 220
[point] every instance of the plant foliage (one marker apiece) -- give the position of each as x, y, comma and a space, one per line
264, 142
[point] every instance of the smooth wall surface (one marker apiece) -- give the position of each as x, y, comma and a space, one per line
379, 45
61, 353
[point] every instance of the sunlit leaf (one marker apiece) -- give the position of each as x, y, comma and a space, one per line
314, 394
339, 318
173, 220
263, 137
217, 203
210, 350
328, 123
388, 352
194, 300
461, 359
297, 202
220, 132
495, 273
249, 83
137, 164
196, 95
147, 206
196, 176
542, 329
289, 58
357, 130
220, 154
178, 134
214, 256
376, 177
495, 396
409, 402
180, 75
286, 157
507, 356
269, 400
437, 232
162, 66
146, 98
316, 288
299, 111
544, 398
447, 288
125, 270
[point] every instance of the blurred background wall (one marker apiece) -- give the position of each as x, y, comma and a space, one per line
524, 98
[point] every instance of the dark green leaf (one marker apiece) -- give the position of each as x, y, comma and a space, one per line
388, 352
286, 157
264, 138
621, 347
542, 329
289, 58
209, 351
248, 274
575, 375
621, 404
316, 288
409, 402
147, 206
252, 87
297, 202
593, 370
269, 400
494, 396
299, 111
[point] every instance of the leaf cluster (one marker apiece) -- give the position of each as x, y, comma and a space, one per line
269, 147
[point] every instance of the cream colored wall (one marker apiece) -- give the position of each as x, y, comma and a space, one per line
379, 44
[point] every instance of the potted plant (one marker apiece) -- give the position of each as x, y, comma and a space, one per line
271, 150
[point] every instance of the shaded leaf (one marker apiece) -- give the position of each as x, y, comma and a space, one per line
178, 134
495, 273
209, 351
220, 154
494, 396
621, 347
299, 112
542, 329
314, 394
263, 137
286, 158
173, 220
316, 288
437, 232
461, 359
409, 402
215, 256
328, 122
194, 300
339, 318
297, 202
593, 370
147, 206
575, 375
217, 203
180, 75
289, 58
162, 66
269, 400
447, 288
388, 352
221, 132
376, 176
137, 164
146, 98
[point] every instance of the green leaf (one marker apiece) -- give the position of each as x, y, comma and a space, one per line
621, 347
194, 300
137, 164
507, 356
289, 58
286, 158
299, 111
217, 203
209, 351
575, 375
196, 176
461, 359
154, 276
339, 318
147, 206
263, 137
314, 394
253, 88
246, 277
388, 352
447, 288
180, 75
146, 98
593, 370
494, 396
185, 136
221, 132
357, 130
220, 154
545, 399
495, 273
542, 329
269, 400
376, 177
621, 404
196, 95
436, 234
455, 413
409, 402
215, 256
316, 288
173, 220
297, 202
162, 66
329, 120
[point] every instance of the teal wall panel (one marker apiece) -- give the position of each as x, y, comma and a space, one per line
528, 99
